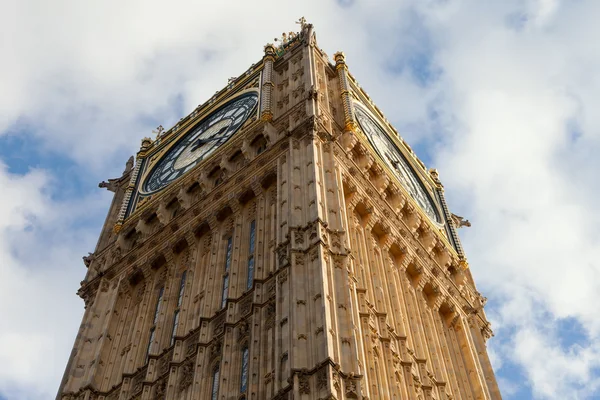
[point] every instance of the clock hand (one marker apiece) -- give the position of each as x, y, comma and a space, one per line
200, 142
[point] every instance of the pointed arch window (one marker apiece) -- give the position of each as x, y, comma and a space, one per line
215, 384
154, 321
178, 308
250, 276
226, 274
244, 372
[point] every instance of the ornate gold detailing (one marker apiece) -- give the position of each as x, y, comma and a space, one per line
463, 264
117, 227
266, 116
340, 65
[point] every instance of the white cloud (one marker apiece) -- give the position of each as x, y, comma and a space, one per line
515, 91
40, 265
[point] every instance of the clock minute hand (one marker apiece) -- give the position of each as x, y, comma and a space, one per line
216, 136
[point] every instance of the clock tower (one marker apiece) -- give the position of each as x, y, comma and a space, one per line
282, 241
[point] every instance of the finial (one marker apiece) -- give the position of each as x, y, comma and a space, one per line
269, 49
302, 22
340, 59
158, 132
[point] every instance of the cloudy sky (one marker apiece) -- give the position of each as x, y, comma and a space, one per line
501, 96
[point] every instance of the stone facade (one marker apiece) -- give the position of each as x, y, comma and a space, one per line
355, 293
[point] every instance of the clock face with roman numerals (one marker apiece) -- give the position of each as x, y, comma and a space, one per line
395, 159
201, 141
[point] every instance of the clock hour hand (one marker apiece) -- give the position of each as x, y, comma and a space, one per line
216, 136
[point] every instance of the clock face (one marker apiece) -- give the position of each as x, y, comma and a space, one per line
394, 158
210, 133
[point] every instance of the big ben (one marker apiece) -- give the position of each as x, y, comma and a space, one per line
282, 241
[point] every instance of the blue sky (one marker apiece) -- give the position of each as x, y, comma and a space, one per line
500, 96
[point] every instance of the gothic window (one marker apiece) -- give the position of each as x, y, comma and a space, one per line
250, 279
178, 308
244, 374
226, 275
215, 384
154, 321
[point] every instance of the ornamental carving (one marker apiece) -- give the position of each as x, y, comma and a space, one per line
304, 384
219, 324
187, 375
215, 350
351, 391
322, 378
246, 305
160, 390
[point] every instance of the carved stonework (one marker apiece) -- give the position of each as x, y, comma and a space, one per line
304, 384
160, 390
342, 270
186, 375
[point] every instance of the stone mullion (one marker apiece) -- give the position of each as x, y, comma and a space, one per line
261, 239
476, 374
133, 336
315, 300
414, 321
486, 365
238, 261
272, 241
448, 375
105, 295
186, 313
284, 347
139, 342
343, 305
268, 350
83, 343
432, 350
205, 281
113, 359
201, 384
296, 200
301, 351
198, 283
126, 339
216, 270
398, 307
378, 264
312, 81
404, 288
370, 247
364, 333
254, 352
435, 346
227, 370
283, 213
163, 324
397, 315
333, 188
460, 366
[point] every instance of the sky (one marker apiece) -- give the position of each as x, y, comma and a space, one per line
502, 97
